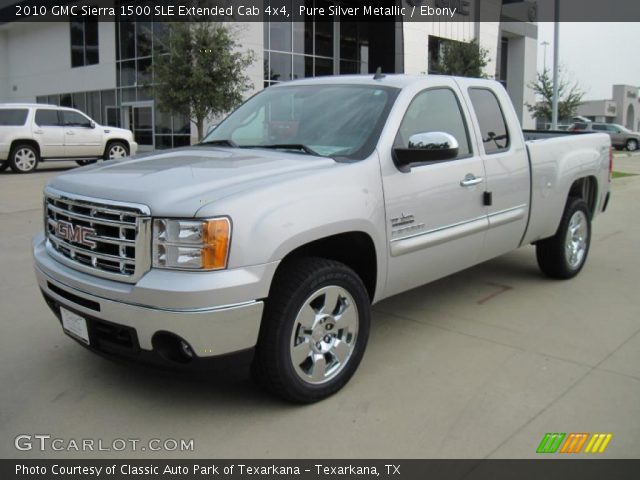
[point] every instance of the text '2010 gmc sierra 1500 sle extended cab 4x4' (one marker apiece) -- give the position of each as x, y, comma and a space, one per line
311, 201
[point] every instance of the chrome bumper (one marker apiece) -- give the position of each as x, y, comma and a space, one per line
209, 330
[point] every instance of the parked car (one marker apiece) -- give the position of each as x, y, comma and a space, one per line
271, 239
621, 137
31, 133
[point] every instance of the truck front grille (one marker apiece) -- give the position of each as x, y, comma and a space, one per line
107, 239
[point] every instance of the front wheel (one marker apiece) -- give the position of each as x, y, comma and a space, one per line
314, 330
632, 145
116, 150
563, 255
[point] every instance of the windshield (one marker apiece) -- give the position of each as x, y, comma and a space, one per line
338, 121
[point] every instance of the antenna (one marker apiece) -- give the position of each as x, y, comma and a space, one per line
379, 75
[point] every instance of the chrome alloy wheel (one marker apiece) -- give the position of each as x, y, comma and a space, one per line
576, 239
324, 335
25, 159
117, 151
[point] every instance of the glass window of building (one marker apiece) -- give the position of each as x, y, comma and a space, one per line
84, 42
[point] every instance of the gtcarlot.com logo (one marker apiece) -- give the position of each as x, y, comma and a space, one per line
46, 442
574, 443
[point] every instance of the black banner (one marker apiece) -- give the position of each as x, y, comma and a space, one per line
543, 469
323, 10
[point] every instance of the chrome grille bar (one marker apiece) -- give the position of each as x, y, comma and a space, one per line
117, 241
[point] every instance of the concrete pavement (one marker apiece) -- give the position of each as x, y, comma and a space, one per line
481, 364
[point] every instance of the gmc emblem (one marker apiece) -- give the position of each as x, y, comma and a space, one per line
75, 234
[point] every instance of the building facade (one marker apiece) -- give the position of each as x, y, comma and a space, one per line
105, 68
623, 108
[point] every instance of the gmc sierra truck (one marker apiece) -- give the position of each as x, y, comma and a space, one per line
315, 199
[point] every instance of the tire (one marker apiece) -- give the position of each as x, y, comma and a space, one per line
305, 365
115, 150
563, 255
23, 158
632, 145
83, 163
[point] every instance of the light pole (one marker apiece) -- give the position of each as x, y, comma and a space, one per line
556, 68
545, 44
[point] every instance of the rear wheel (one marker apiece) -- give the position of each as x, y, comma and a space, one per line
314, 330
632, 145
82, 163
24, 158
116, 150
563, 255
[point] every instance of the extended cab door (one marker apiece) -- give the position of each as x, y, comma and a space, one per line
48, 132
82, 139
506, 163
436, 220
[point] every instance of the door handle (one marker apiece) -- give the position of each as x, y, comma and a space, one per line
39, 132
70, 133
470, 180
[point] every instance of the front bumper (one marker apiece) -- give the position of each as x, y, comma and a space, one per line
163, 302
133, 148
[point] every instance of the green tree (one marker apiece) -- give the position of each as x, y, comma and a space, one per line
203, 72
463, 59
569, 94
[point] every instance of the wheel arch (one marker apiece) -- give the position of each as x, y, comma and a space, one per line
585, 188
27, 141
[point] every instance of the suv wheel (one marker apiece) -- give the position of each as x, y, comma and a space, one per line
116, 150
23, 158
632, 145
563, 255
314, 330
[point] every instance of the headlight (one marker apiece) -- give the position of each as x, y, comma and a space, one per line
191, 244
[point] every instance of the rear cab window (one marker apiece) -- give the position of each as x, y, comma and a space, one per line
493, 126
13, 117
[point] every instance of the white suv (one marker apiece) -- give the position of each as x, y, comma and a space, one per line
30, 133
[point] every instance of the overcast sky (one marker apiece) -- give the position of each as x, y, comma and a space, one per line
597, 55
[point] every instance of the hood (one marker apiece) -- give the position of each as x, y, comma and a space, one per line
179, 182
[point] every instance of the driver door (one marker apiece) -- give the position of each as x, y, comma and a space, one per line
436, 219
81, 137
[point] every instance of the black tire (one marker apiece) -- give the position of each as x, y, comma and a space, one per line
296, 283
115, 144
552, 254
632, 145
4, 165
18, 153
83, 163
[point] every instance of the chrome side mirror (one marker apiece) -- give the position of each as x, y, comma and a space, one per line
425, 148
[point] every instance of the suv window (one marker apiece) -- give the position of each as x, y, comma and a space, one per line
74, 119
13, 117
493, 127
601, 128
435, 110
47, 118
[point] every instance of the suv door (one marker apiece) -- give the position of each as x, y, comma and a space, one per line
82, 138
48, 132
618, 138
436, 220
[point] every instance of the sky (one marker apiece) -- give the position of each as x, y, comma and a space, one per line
596, 55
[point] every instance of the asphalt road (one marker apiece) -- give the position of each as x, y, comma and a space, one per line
481, 364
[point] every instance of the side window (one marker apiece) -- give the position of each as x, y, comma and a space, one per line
493, 127
47, 118
74, 119
13, 117
434, 110
600, 128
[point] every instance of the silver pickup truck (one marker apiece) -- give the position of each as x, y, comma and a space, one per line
270, 240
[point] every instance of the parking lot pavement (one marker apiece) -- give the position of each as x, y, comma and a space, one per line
480, 364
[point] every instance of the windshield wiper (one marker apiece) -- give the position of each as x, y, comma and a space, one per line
287, 146
227, 143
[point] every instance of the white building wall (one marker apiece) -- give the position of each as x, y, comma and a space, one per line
38, 61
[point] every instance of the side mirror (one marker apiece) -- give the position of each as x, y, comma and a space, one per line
425, 148
92, 124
